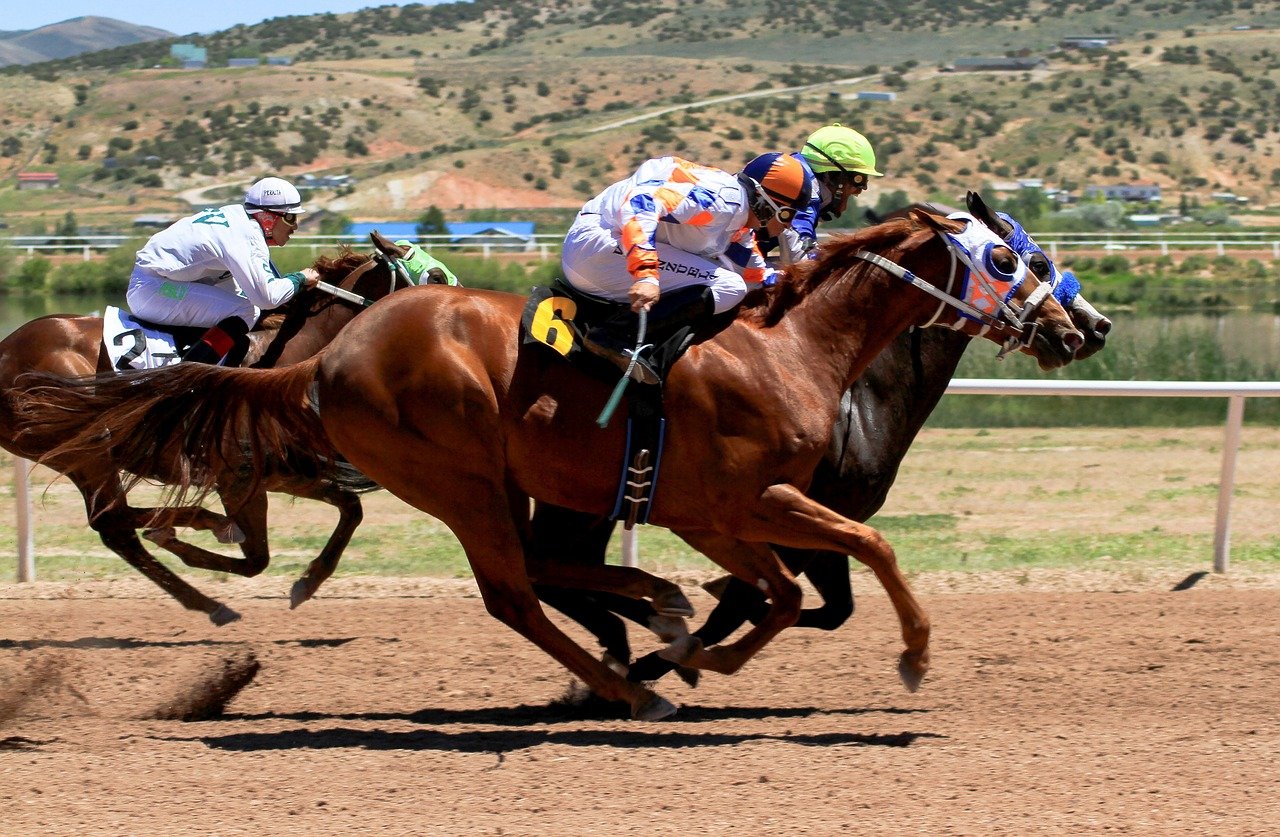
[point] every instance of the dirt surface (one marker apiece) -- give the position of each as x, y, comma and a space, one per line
400, 706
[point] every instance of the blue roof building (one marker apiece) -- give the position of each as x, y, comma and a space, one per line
506, 235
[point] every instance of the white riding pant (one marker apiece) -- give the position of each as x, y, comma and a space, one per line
594, 263
165, 302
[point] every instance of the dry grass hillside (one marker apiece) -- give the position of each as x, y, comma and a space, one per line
503, 105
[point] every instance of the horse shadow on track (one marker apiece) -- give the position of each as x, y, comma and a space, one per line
565, 713
509, 740
129, 643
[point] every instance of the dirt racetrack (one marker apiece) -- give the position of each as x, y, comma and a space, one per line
400, 706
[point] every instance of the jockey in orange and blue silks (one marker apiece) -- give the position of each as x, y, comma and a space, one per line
841, 162
675, 224
676, 241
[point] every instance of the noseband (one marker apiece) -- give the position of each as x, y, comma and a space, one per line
1010, 318
394, 269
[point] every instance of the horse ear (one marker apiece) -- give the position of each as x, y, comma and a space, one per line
939, 223
384, 245
978, 209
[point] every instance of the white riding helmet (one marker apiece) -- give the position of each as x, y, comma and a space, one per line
273, 194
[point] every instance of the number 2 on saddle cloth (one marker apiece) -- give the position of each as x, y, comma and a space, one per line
557, 317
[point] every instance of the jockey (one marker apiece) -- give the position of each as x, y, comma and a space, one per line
841, 161
213, 270
677, 239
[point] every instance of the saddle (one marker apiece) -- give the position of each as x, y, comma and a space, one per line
558, 316
133, 343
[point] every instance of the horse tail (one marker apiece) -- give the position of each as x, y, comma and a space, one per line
185, 424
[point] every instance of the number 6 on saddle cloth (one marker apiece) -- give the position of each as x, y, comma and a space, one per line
559, 316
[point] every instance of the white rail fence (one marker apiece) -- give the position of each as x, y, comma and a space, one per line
546, 245
1234, 391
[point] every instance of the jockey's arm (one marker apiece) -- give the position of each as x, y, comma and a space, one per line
258, 281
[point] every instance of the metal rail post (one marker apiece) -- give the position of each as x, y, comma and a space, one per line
1226, 484
22, 502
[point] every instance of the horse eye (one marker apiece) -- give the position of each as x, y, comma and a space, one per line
1039, 265
1005, 261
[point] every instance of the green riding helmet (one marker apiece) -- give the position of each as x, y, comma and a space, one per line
837, 148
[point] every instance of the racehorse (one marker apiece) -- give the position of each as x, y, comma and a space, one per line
432, 396
71, 346
880, 416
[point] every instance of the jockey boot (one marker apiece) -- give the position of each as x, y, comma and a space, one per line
229, 339
684, 309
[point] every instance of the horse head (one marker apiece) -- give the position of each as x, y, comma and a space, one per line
992, 294
1066, 288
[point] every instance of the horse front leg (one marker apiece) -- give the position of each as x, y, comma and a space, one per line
787, 517
754, 563
158, 524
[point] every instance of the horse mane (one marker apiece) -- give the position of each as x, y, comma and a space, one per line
835, 257
346, 261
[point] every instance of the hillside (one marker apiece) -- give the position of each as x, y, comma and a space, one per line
72, 37
538, 105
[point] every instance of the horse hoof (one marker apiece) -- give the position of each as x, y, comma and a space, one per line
654, 708
673, 603
668, 628
223, 615
717, 586
160, 535
229, 532
299, 593
912, 669
690, 676
681, 650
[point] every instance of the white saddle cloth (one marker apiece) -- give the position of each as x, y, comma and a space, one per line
130, 346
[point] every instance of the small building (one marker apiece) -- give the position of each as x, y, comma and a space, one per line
193, 65
37, 180
157, 222
508, 235
279, 60
332, 181
1125, 192
188, 52
1014, 64
243, 62
1088, 41
391, 229
876, 95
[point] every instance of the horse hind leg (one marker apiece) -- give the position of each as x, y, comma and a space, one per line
350, 515
114, 526
754, 562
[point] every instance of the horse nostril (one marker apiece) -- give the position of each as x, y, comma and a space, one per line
1073, 340
1103, 327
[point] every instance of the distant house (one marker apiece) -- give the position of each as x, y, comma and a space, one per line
1125, 192
192, 57
333, 181
1017, 63
876, 95
37, 180
243, 62
506, 234
1088, 42
1228, 197
279, 60
391, 229
158, 222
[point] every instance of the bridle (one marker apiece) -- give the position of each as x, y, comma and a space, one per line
1010, 319
394, 270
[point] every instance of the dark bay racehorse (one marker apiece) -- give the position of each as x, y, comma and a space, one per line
71, 346
432, 395
880, 416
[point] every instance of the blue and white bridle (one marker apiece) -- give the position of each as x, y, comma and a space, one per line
985, 292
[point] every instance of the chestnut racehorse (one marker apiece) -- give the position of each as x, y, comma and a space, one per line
71, 346
432, 395
880, 416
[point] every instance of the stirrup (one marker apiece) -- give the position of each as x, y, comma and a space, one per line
641, 373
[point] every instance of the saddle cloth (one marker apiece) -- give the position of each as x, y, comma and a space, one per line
132, 344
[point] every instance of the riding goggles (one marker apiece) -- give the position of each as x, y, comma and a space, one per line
290, 218
784, 213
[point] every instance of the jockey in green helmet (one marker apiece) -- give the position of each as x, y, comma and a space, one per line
842, 162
